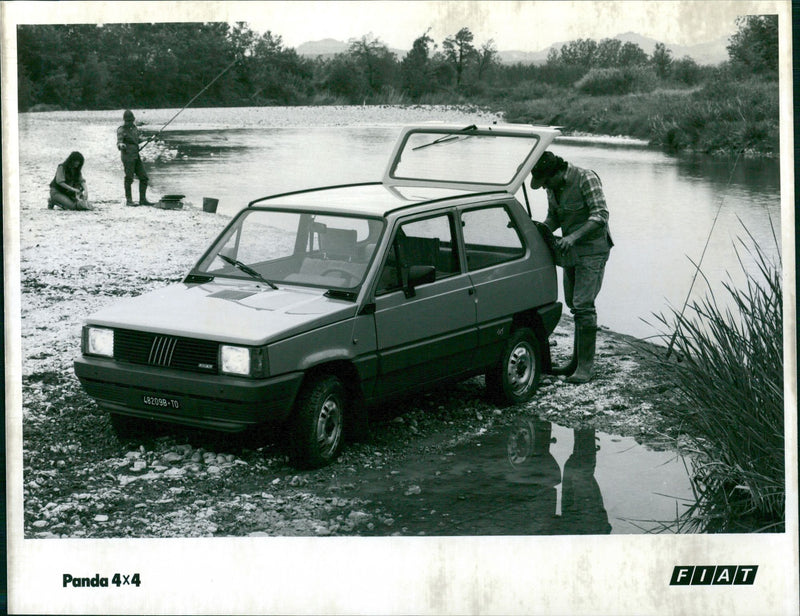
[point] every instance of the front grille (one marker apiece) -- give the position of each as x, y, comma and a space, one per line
165, 351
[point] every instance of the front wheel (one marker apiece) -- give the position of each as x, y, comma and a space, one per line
515, 378
318, 423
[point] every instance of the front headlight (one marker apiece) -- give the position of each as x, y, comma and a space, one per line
243, 361
99, 341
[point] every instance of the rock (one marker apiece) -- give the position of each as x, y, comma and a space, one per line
40, 523
196, 457
172, 457
258, 533
139, 465
175, 472
214, 469
413, 490
100, 517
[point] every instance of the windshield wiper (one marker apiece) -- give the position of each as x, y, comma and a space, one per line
446, 138
247, 270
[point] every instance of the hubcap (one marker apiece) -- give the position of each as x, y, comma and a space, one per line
520, 368
329, 426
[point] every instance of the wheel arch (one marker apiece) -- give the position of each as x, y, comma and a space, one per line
347, 373
533, 320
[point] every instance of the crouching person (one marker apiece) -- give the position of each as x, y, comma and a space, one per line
576, 204
68, 188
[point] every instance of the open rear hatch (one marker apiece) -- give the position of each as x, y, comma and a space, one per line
475, 158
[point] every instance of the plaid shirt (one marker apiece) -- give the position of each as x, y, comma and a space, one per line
581, 199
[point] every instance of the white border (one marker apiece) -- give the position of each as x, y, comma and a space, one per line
508, 575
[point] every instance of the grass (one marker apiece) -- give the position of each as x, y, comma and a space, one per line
730, 374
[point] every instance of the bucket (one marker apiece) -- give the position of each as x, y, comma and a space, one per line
210, 205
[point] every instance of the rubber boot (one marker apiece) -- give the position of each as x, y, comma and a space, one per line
143, 195
128, 194
587, 337
568, 368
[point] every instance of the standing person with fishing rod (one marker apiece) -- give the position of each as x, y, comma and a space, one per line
577, 205
128, 140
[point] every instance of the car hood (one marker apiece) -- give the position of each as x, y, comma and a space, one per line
239, 313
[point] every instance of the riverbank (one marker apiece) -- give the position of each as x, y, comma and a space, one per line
189, 484
719, 119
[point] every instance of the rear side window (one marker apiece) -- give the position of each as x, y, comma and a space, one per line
490, 237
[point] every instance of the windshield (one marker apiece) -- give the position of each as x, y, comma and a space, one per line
295, 248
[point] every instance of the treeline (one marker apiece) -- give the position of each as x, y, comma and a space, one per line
114, 66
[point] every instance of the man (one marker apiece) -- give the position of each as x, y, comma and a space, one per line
576, 204
128, 140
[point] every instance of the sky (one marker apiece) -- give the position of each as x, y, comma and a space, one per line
513, 25
523, 26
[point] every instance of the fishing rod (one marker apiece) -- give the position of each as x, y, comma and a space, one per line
225, 70
703, 254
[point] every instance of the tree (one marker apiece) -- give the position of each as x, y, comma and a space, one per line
755, 44
661, 60
277, 72
607, 53
486, 58
459, 51
375, 60
416, 68
631, 55
580, 52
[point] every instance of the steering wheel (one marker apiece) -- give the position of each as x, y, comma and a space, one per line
349, 275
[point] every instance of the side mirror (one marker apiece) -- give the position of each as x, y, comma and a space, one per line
417, 275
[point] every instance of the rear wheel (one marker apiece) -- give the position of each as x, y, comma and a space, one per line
515, 377
318, 424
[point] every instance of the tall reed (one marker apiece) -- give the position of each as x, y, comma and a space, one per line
729, 371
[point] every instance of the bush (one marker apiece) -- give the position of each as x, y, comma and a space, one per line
608, 81
730, 374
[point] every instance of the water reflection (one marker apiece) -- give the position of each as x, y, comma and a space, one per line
535, 478
582, 509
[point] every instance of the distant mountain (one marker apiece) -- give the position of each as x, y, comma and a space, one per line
712, 52
325, 47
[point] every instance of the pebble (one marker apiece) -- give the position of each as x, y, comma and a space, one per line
172, 457
413, 490
100, 517
139, 465
213, 469
40, 523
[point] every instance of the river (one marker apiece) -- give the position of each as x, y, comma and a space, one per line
662, 207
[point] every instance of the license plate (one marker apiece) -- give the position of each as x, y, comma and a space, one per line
161, 402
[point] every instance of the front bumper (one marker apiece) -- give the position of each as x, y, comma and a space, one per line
222, 403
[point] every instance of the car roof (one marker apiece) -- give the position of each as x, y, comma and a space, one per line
372, 199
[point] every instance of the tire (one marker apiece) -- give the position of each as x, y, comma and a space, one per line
515, 378
317, 428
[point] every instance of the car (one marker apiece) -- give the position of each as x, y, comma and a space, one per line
312, 307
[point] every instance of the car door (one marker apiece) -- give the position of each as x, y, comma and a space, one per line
428, 333
501, 271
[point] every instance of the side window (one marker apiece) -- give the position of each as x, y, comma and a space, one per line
490, 237
420, 242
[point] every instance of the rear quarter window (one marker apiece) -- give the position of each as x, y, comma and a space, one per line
490, 237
